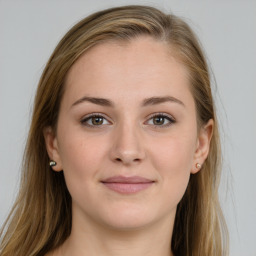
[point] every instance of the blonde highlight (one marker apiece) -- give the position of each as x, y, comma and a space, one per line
40, 220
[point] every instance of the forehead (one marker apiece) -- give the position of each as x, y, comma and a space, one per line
142, 64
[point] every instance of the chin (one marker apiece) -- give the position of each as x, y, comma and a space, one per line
129, 218
128, 223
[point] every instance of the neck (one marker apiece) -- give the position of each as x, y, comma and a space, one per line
95, 239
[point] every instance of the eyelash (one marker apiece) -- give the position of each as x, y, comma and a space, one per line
85, 120
169, 118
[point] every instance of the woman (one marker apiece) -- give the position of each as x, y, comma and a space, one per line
123, 153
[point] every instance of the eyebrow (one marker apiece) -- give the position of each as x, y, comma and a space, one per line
98, 101
146, 102
159, 100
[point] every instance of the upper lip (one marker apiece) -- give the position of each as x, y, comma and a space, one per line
123, 179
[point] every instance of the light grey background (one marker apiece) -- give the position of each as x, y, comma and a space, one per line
29, 31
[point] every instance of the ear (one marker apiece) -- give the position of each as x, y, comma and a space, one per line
52, 148
203, 145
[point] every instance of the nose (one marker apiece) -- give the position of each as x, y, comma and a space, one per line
127, 146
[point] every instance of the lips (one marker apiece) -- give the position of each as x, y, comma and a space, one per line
122, 179
127, 185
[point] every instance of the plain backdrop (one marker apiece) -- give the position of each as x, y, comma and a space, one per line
29, 31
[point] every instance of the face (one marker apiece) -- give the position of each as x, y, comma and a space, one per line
127, 138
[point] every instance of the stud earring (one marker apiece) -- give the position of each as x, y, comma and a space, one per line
52, 163
198, 166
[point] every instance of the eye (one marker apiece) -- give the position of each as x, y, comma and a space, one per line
161, 120
95, 120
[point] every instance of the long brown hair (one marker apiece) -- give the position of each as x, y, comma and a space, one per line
40, 220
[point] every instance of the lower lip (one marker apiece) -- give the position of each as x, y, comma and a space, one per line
128, 188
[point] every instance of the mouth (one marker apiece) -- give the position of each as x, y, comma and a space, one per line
127, 185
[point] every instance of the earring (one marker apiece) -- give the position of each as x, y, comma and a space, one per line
52, 163
198, 166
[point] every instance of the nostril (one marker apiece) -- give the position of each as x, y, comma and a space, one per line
134, 160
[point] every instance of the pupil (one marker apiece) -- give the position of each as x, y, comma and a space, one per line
97, 120
158, 120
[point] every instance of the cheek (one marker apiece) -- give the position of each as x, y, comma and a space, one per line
81, 159
81, 156
173, 159
174, 155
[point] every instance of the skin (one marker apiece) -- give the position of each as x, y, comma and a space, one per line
128, 141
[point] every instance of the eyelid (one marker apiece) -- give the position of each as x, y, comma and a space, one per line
85, 118
164, 115
169, 117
